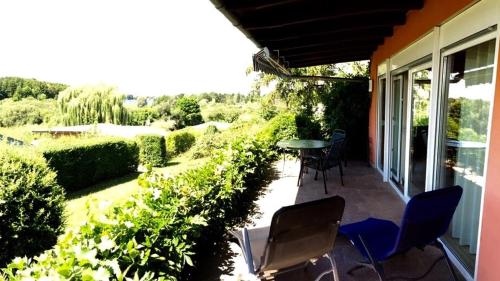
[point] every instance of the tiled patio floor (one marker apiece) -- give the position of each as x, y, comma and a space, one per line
365, 195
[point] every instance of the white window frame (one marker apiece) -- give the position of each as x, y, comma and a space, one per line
437, 134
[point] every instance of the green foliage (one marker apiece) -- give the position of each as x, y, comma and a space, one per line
27, 111
142, 116
154, 234
347, 107
468, 119
267, 109
187, 112
152, 150
307, 127
91, 105
280, 127
221, 112
210, 141
31, 205
82, 162
19, 88
179, 142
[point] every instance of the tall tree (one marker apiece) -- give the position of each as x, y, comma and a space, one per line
90, 105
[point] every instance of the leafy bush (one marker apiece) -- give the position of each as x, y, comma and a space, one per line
31, 205
347, 106
210, 141
267, 109
142, 116
187, 112
81, 163
282, 126
152, 150
307, 127
27, 111
225, 115
153, 235
179, 142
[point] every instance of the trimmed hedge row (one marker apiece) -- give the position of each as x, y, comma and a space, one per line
152, 236
179, 142
152, 150
31, 205
81, 163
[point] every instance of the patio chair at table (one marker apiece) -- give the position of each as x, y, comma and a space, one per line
426, 218
339, 133
323, 163
297, 234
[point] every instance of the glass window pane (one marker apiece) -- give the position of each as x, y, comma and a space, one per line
421, 91
469, 92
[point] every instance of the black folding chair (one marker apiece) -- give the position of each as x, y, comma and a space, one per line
297, 234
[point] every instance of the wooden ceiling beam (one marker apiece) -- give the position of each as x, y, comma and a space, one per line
283, 51
307, 12
345, 50
330, 60
382, 29
318, 42
354, 24
328, 56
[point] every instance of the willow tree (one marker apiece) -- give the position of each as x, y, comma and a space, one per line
91, 105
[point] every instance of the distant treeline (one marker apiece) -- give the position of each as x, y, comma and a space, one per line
18, 88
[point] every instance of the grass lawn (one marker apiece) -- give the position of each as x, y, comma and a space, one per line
116, 190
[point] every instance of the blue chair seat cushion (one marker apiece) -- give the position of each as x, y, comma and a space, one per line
379, 237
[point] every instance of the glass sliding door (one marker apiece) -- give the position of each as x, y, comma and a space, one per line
381, 124
397, 131
419, 128
468, 94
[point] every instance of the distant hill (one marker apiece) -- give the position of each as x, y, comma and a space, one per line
18, 88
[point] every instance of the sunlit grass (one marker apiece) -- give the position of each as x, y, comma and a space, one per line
116, 191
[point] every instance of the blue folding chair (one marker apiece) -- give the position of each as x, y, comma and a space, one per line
426, 218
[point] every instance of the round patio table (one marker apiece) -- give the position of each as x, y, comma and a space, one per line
302, 145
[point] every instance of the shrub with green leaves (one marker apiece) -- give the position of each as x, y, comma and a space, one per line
187, 112
31, 205
179, 142
282, 126
152, 150
154, 234
82, 162
27, 111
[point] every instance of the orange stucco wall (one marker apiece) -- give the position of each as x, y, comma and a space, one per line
418, 23
434, 13
489, 261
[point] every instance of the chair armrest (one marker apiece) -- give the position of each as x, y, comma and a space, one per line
247, 251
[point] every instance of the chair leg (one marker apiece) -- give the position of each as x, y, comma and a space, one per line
341, 174
334, 271
376, 266
300, 173
440, 246
324, 181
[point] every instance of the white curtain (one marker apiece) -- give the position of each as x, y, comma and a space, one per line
475, 92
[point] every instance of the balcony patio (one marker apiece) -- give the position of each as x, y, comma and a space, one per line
366, 195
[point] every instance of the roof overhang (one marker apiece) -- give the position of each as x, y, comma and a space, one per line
300, 33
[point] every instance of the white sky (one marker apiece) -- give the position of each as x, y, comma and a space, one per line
145, 47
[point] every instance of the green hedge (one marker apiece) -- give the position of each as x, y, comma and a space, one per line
81, 163
282, 126
179, 142
31, 205
153, 235
152, 150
